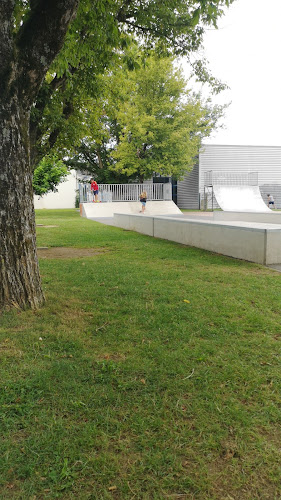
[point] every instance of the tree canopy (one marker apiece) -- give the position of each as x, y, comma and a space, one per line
162, 123
145, 120
96, 41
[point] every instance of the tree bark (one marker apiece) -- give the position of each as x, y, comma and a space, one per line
24, 61
99, 158
20, 283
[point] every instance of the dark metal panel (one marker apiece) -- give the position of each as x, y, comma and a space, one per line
188, 190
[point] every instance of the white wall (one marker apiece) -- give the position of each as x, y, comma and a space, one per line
63, 198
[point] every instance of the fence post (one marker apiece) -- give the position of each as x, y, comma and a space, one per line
167, 191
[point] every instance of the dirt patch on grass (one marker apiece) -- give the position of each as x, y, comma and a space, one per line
68, 252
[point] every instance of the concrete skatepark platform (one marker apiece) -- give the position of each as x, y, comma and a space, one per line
247, 229
269, 217
99, 210
251, 241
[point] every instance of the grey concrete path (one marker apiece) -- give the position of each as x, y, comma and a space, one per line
276, 267
109, 221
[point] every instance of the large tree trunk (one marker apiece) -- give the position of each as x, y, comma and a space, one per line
24, 61
19, 271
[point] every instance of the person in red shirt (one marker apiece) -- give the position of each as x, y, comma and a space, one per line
94, 190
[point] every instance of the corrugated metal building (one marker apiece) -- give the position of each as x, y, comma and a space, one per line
188, 190
265, 160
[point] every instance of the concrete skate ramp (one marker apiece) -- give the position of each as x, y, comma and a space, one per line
240, 198
99, 210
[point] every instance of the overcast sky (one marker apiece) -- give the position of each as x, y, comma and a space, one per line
245, 53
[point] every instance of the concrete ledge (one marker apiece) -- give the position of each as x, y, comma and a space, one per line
268, 217
254, 242
139, 223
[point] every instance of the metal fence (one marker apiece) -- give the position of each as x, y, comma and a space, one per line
123, 192
212, 177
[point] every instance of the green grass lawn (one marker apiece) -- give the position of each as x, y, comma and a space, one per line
152, 372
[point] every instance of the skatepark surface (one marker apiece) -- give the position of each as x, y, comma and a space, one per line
246, 228
182, 215
227, 231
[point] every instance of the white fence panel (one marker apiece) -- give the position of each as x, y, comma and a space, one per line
125, 192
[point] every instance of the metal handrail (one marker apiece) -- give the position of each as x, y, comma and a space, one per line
122, 192
212, 177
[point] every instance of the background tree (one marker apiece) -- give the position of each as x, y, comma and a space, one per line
32, 34
146, 121
162, 123
49, 173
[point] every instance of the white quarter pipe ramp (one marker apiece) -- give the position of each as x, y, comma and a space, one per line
239, 198
97, 210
